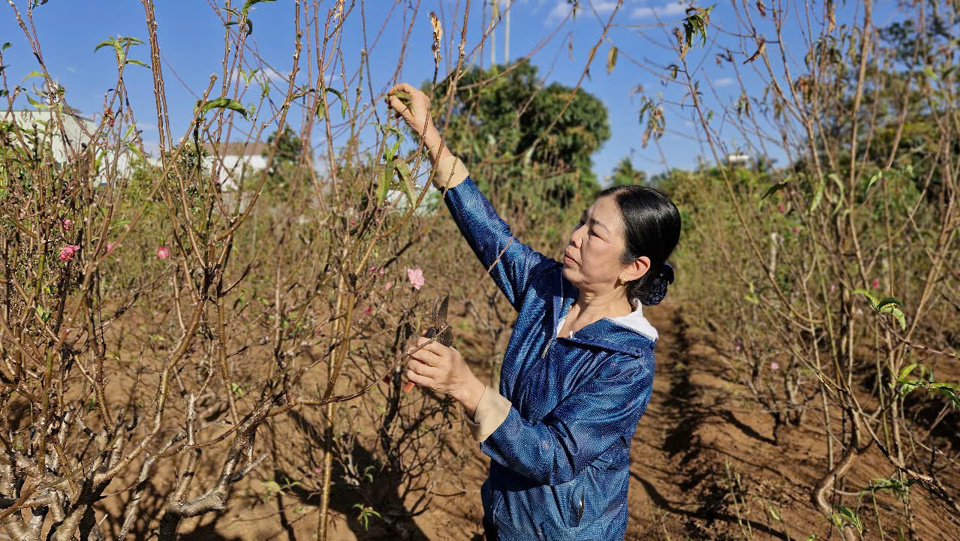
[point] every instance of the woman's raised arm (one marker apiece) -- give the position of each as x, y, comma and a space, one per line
414, 107
512, 264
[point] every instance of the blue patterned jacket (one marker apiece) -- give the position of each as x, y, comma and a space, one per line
560, 462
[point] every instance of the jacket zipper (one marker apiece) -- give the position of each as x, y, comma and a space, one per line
546, 349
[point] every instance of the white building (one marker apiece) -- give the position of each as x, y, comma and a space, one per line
68, 137
232, 159
738, 160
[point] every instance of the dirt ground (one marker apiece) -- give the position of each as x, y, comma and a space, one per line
704, 466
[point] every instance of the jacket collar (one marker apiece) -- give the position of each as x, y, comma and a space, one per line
629, 334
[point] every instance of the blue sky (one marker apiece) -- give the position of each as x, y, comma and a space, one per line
192, 36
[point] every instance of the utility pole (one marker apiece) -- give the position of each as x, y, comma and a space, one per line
483, 28
506, 38
494, 15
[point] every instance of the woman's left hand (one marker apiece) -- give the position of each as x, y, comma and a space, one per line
443, 370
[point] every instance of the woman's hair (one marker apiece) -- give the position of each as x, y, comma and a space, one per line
651, 224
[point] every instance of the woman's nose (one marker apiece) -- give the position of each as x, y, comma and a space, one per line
576, 237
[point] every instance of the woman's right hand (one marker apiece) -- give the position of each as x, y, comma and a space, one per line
415, 111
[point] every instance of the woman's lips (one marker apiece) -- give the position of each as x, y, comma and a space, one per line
567, 257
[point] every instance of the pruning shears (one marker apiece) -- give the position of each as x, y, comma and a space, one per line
438, 329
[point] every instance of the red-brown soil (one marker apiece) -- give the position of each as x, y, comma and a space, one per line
705, 466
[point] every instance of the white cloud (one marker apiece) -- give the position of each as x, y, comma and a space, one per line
667, 10
722, 82
562, 8
264, 76
604, 7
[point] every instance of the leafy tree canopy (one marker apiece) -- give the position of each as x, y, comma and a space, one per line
508, 116
625, 175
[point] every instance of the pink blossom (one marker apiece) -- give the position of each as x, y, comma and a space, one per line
774, 365
781, 208
372, 269
163, 252
382, 271
68, 251
875, 284
833, 287
110, 246
67, 224
387, 286
416, 278
368, 310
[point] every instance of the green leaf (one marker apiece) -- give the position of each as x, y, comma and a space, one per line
898, 315
868, 295
386, 178
343, 102
137, 62
905, 371
888, 301
844, 515
249, 4
774, 189
35, 103
109, 43
836, 180
817, 196
225, 103
406, 181
950, 392
322, 104
5, 46
872, 181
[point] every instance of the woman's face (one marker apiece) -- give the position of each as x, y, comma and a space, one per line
592, 258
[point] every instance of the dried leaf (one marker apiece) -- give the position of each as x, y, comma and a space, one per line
437, 37
756, 55
611, 59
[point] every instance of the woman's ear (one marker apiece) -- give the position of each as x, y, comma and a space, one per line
636, 269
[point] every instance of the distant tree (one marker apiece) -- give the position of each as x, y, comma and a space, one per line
510, 117
287, 158
625, 175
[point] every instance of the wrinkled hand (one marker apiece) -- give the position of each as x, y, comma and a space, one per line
443, 370
414, 108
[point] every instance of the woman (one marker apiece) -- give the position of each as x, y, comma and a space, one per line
578, 371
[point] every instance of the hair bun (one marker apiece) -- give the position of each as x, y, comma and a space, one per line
656, 289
